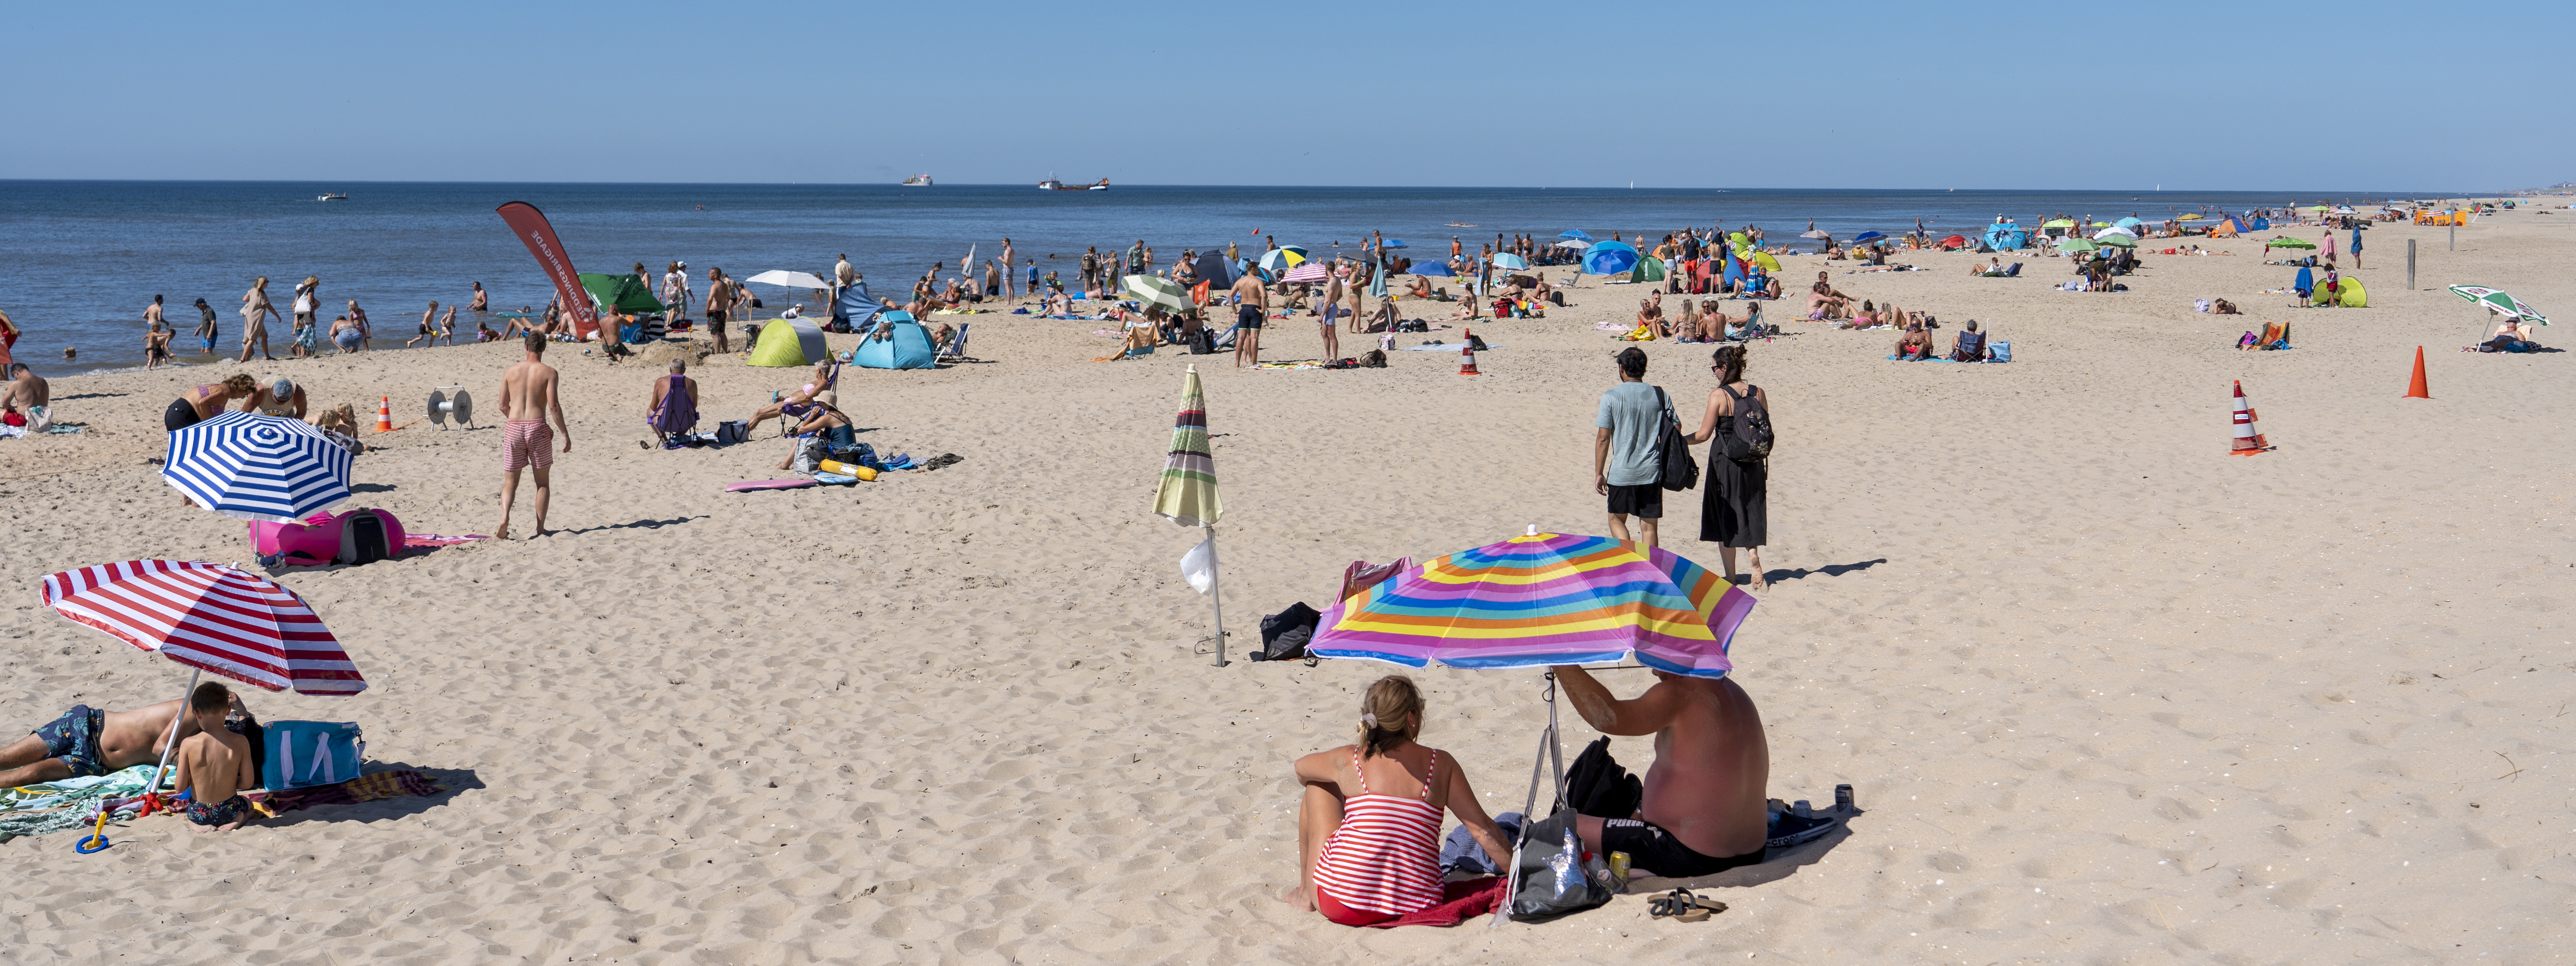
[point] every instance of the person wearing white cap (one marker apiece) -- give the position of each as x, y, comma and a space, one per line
277, 397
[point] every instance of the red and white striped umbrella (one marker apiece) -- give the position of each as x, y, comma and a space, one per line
210, 617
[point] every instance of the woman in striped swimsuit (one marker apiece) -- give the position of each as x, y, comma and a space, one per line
1368, 832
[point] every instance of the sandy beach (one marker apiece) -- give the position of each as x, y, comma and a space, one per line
2104, 693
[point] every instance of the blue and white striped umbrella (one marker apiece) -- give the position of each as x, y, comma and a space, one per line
258, 467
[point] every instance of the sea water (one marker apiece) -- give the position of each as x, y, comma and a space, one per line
79, 260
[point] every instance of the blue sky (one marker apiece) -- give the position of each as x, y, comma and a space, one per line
2235, 95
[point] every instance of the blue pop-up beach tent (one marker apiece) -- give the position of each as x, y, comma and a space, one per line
855, 306
906, 346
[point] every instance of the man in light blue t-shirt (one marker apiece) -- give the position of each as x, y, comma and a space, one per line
1625, 466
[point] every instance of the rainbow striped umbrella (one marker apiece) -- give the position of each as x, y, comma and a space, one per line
1543, 599
1188, 492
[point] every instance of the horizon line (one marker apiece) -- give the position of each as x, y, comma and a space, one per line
1006, 184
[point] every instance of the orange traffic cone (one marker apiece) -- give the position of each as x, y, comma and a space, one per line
1467, 359
2417, 389
2248, 442
384, 414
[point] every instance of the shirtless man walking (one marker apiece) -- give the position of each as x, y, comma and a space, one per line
1703, 810
1252, 308
527, 399
1008, 254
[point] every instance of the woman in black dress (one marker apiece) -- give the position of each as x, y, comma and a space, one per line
1731, 512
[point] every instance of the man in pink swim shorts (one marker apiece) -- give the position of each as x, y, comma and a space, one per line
527, 399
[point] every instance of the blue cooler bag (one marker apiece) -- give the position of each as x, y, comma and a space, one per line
302, 754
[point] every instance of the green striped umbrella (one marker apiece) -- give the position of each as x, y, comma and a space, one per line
2115, 238
1156, 290
2499, 302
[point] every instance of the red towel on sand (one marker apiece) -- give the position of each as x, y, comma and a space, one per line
1459, 901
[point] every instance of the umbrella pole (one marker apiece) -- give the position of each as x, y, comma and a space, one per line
173, 743
1216, 595
1549, 749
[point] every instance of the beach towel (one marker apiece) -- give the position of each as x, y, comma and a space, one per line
1459, 902
364, 788
49, 807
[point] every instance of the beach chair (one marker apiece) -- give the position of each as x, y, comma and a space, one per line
2013, 270
677, 415
956, 347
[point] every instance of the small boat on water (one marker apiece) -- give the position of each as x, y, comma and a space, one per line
917, 181
342, 196
1051, 184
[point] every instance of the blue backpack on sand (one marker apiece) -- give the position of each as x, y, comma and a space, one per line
302, 754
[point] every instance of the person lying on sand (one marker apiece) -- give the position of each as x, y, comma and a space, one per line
214, 764
1703, 809
1368, 827
2512, 336
89, 741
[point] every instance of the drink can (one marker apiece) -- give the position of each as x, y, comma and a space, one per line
1842, 798
1619, 870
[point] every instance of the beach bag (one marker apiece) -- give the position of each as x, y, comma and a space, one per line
1375, 359
1999, 352
1202, 342
1284, 634
1554, 881
306, 753
809, 454
1747, 438
1675, 469
367, 536
732, 431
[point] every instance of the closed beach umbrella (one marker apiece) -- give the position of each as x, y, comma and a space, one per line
1432, 268
1576, 235
1188, 493
1309, 272
1509, 260
1539, 600
2499, 302
2117, 240
2077, 245
1609, 258
258, 467
1156, 290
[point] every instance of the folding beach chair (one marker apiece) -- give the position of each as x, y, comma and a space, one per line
956, 347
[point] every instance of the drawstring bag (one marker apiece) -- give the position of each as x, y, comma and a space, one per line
1999, 352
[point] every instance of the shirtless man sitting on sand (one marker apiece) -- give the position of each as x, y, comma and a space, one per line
89, 741
1703, 810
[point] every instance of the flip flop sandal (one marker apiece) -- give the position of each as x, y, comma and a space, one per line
1683, 906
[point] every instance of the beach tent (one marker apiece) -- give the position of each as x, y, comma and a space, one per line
789, 342
905, 347
2225, 229
1609, 258
2007, 236
621, 293
855, 306
1216, 271
1649, 269
1764, 259
2348, 293
1955, 241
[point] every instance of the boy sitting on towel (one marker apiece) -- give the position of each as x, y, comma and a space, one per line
214, 764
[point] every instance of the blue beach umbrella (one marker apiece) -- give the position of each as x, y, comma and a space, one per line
1577, 235
258, 467
1395, 243
2127, 223
1868, 236
1432, 268
1609, 258
1509, 260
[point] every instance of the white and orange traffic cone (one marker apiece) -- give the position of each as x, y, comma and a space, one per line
1467, 356
2248, 441
384, 414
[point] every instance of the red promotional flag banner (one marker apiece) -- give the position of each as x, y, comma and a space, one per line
539, 236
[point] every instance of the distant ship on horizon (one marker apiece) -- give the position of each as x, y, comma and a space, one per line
1051, 184
917, 181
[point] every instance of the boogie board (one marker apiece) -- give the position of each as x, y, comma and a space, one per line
747, 486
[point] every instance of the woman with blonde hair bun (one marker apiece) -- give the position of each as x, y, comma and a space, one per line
1368, 829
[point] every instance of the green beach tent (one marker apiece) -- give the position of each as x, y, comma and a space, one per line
621, 293
1649, 269
778, 346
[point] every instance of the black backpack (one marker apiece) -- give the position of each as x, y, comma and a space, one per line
1203, 342
1747, 438
1678, 470
1284, 634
